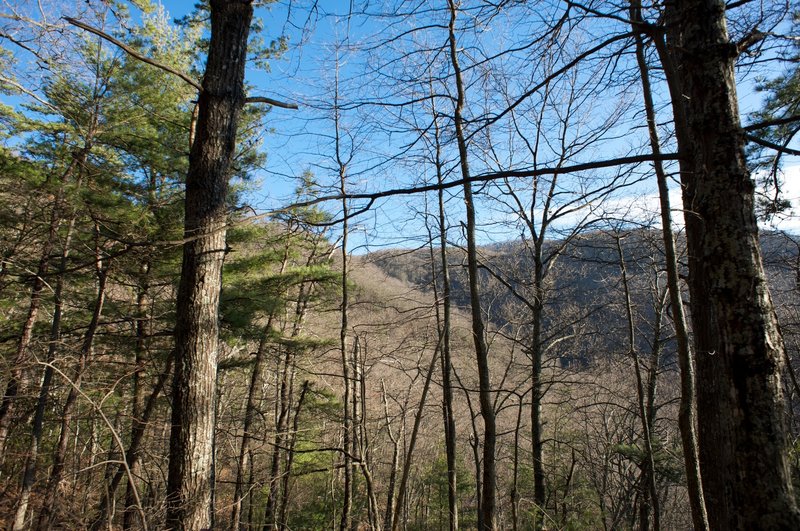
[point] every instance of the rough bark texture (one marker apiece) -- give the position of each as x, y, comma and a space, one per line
189, 485
740, 399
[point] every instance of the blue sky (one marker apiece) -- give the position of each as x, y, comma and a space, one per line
295, 144
300, 141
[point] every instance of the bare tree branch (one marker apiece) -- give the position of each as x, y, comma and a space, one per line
185, 77
270, 101
485, 177
769, 123
772, 145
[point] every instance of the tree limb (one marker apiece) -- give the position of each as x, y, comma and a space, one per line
485, 177
270, 101
769, 123
133, 53
771, 145
185, 77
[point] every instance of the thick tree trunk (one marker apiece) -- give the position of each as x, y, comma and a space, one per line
189, 484
740, 352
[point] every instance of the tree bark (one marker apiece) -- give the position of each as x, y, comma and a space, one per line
489, 480
739, 348
687, 418
189, 484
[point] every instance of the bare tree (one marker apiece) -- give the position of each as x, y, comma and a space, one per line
687, 414
489, 477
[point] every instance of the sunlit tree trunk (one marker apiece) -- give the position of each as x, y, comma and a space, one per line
443, 316
739, 349
189, 485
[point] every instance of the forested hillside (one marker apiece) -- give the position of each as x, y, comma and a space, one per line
399, 265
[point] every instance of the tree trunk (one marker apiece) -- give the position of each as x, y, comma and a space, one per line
283, 510
363, 446
143, 328
647, 486
739, 348
347, 428
286, 367
251, 409
38, 284
29, 470
687, 418
138, 428
409, 461
46, 518
189, 484
444, 328
250, 413
390, 489
487, 518
537, 389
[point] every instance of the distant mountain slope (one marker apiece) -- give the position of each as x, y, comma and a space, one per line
583, 277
